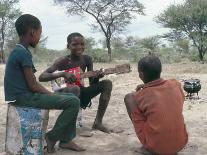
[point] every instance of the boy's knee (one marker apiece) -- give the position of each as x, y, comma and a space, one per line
130, 101
76, 90
74, 102
128, 98
107, 85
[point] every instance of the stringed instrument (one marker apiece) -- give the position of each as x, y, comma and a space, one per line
118, 69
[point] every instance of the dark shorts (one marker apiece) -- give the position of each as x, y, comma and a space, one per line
87, 93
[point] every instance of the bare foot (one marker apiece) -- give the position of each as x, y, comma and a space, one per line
71, 146
101, 128
50, 145
84, 132
144, 151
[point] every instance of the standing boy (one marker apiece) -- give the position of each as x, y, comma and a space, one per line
74, 61
156, 110
22, 89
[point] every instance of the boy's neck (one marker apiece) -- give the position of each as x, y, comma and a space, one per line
23, 41
148, 81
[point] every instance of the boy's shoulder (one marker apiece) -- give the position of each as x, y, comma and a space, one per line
173, 81
62, 61
19, 53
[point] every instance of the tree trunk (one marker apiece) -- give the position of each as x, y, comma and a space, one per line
108, 45
2, 56
201, 54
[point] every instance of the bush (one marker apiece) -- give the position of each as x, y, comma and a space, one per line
43, 55
98, 55
169, 55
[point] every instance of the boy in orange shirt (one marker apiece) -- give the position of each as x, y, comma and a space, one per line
155, 110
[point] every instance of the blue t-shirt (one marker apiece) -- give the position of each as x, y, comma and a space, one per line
14, 80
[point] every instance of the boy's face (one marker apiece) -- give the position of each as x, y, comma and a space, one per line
141, 75
35, 36
77, 45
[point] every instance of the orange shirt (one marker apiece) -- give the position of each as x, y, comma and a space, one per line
158, 119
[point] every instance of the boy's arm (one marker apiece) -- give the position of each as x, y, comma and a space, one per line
49, 74
32, 83
93, 80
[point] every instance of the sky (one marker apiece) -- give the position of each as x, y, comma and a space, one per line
56, 24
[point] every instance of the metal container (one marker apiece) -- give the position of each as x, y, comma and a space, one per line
25, 130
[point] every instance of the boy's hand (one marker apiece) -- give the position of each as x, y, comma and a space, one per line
139, 87
69, 77
100, 73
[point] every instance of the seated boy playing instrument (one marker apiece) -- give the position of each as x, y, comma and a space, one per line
155, 110
76, 61
22, 89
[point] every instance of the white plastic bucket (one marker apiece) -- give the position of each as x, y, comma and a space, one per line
25, 130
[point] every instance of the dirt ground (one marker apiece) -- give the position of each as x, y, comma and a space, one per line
126, 143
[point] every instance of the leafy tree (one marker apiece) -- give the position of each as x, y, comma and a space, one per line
182, 45
150, 43
117, 43
89, 44
188, 20
118, 46
8, 13
12, 39
111, 16
131, 41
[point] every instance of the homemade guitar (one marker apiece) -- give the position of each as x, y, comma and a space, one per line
60, 83
119, 69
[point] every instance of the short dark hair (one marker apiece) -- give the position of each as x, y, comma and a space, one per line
150, 66
72, 35
26, 22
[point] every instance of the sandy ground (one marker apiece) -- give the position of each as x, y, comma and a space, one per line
116, 117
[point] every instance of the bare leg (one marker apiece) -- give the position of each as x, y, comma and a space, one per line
50, 145
130, 103
103, 103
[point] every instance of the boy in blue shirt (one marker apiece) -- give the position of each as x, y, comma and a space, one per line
22, 89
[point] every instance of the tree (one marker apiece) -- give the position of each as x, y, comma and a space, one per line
89, 43
131, 41
150, 43
8, 13
189, 20
11, 39
182, 45
111, 16
117, 43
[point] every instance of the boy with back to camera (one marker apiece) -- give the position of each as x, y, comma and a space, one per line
155, 110
76, 60
22, 89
